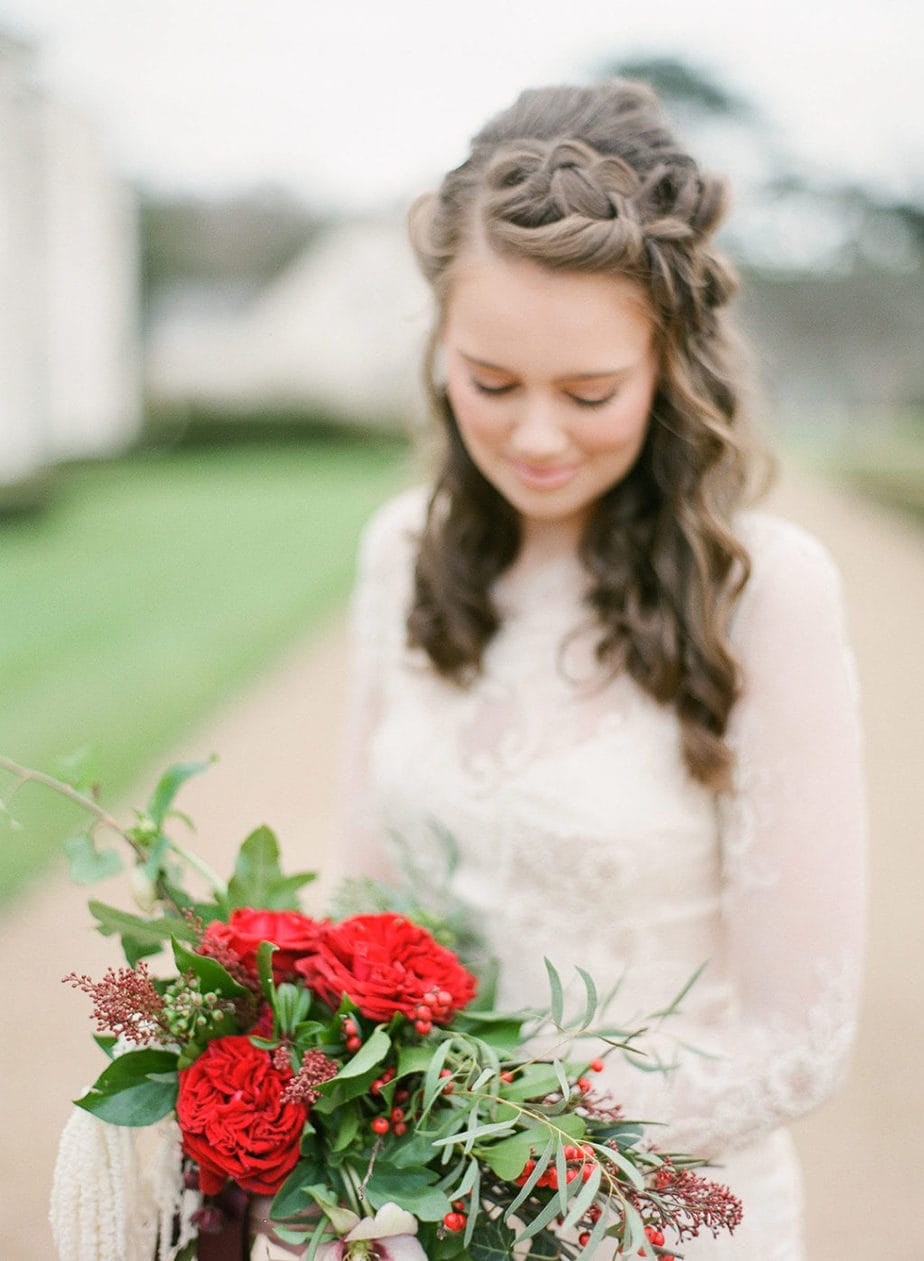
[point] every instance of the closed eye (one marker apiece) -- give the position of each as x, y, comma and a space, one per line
492, 389
592, 402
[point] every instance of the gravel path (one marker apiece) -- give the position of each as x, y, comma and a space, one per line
278, 746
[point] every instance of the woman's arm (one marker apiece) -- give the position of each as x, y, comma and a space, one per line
793, 837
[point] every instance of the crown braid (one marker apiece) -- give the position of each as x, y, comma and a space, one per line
593, 180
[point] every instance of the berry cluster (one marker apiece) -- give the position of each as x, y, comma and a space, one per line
580, 1163
435, 1008
457, 1219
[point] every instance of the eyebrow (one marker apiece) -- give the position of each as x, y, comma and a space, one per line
571, 376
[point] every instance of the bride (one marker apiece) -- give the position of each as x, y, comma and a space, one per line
626, 694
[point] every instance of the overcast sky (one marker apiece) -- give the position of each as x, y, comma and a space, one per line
362, 103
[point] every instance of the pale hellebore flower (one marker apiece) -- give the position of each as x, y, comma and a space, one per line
389, 1236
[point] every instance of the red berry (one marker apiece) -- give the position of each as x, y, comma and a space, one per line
572, 1174
586, 1172
572, 1153
388, 1074
594, 1213
350, 1028
552, 1176
423, 1026
445, 1072
380, 1125
423, 1012
507, 1077
444, 998
353, 1044
376, 1086
584, 1238
454, 1221
458, 1205
583, 1085
397, 1114
402, 1096
596, 1066
399, 1128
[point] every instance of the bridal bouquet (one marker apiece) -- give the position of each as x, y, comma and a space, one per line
342, 1087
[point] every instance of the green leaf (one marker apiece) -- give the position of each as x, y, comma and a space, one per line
674, 1005
371, 1053
491, 1241
265, 952
557, 1001
508, 1156
347, 1127
413, 1059
212, 976
86, 863
283, 892
256, 870
412, 1152
293, 1198
148, 932
411, 1190
534, 1081
136, 1089
169, 785
590, 988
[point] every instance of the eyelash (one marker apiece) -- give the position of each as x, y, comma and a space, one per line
494, 391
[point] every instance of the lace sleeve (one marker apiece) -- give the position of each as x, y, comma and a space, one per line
375, 629
793, 844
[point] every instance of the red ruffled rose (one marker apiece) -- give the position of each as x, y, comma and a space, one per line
387, 964
233, 1121
295, 934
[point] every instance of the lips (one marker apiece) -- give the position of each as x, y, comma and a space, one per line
543, 477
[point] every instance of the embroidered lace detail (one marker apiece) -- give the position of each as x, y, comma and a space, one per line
581, 835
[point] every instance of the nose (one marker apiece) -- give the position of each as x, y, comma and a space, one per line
538, 435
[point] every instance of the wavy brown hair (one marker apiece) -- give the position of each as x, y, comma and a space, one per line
593, 180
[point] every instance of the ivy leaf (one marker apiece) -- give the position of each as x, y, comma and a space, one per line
492, 1241
86, 863
169, 785
412, 1191
292, 1198
138, 1088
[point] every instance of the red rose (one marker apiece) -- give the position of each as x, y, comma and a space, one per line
387, 964
295, 934
233, 1122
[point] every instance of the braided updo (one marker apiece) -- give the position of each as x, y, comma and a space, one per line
593, 180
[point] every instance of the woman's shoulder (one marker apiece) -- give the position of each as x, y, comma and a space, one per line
388, 542
790, 567
395, 527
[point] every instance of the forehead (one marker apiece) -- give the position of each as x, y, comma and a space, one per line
519, 315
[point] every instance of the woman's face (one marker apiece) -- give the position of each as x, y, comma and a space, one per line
551, 377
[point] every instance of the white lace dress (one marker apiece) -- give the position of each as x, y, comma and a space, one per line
583, 838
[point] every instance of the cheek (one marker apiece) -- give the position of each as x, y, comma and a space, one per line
478, 422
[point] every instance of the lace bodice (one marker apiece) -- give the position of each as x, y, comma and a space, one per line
583, 837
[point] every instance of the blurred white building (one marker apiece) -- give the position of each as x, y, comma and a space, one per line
69, 358
339, 332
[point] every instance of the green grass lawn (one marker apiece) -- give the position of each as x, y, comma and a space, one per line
152, 587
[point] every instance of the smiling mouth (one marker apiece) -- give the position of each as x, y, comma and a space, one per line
542, 477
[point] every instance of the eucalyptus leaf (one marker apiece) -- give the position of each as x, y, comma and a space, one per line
590, 988
557, 999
